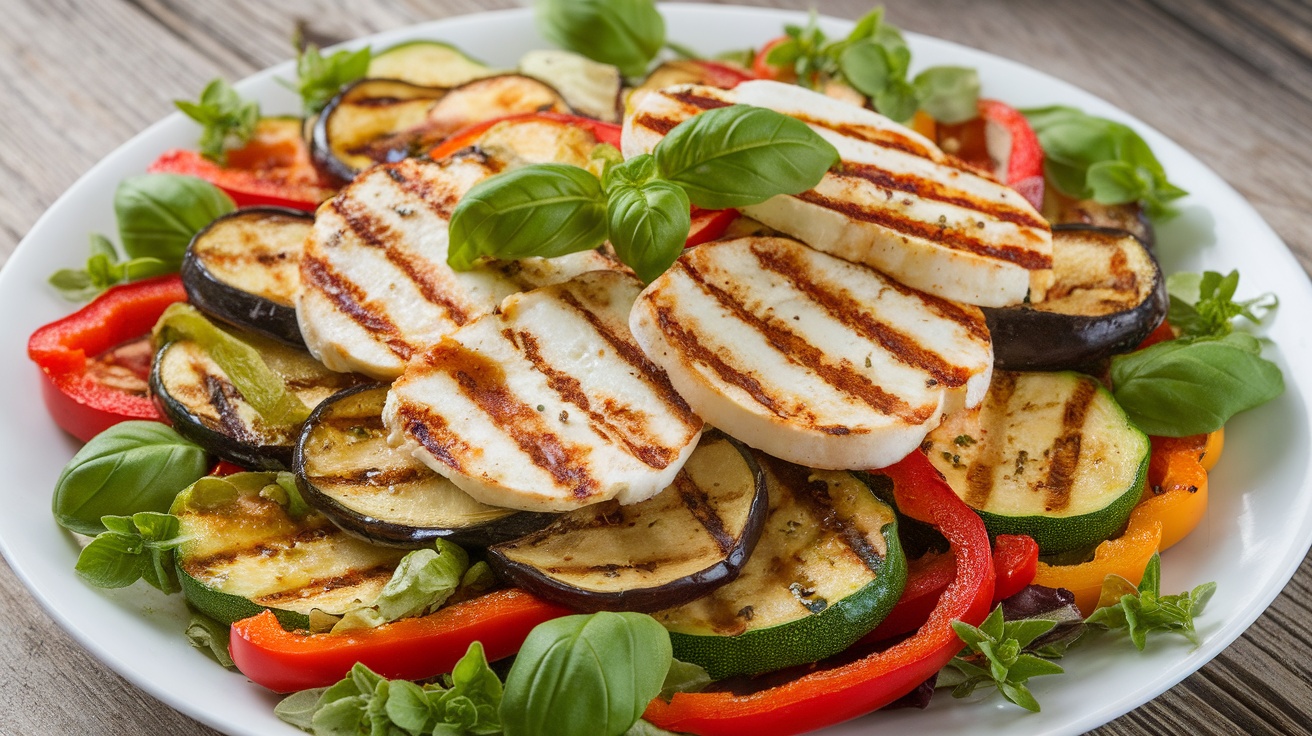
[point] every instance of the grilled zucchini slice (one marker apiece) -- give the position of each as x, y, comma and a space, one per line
827, 569
206, 408
244, 269
1108, 295
428, 64
682, 543
346, 469
246, 551
1050, 455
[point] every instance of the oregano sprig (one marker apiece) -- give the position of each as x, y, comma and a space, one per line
727, 157
995, 655
1143, 609
1203, 305
227, 120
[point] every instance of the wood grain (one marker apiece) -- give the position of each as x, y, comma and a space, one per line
1229, 80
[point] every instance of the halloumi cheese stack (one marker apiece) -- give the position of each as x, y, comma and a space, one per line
895, 201
375, 286
547, 404
808, 357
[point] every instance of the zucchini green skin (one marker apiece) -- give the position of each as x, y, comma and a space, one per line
229, 609
1052, 533
233, 305
834, 629
428, 63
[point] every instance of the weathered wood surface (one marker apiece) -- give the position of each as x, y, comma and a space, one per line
1230, 80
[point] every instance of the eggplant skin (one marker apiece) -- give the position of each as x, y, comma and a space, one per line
390, 532
1029, 339
232, 305
656, 598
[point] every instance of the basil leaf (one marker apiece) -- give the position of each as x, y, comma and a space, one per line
158, 214
625, 33
540, 210
104, 270
866, 67
131, 467
740, 155
211, 637
684, 677
1180, 388
298, 708
949, 94
319, 78
585, 675
227, 121
258, 384
648, 226
897, 101
422, 582
139, 547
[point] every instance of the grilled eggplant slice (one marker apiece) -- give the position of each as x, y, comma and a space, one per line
246, 551
346, 469
679, 545
1109, 294
376, 121
203, 405
244, 269
828, 568
346, 134
427, 63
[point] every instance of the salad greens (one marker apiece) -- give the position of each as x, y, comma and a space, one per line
1203, 305
727, 157
158, 215
996, 656
625, 33
227, 121
423, 582
319, 78
136, 547
132, 467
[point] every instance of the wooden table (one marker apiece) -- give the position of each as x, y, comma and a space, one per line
1231, 81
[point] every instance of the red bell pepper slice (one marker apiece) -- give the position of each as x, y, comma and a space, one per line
469, 135
835, 694
724, 76
1015, 560
273, 169
708, 225
1018, 163
410, 649
83, 399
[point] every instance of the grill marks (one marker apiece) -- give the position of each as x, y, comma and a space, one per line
954, 238
979, 475
1065, 455
813, 495
936, 191
851, 314
698, 503
795, 348
350, 299
318, 586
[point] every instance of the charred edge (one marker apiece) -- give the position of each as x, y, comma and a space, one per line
324, 585
699, 505
420, 272
434, 435
947, 237
349, 299
657, 123
799, 352
1066, 448
222, 394
690, 346
633, 355
979, 476
702, 102
441, 200
373, 477
645, 448
937, 192
484, 383
850, 314
814, 495
197, 567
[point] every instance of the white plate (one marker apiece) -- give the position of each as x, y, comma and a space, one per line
1251, 541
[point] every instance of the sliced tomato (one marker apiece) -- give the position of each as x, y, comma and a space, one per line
765, 70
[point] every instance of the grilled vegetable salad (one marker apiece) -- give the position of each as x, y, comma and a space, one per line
729, 395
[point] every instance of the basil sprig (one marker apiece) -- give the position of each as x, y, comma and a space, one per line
131, 467
874, 59
319, 78
1142, 609
728, 157
1203, 305
132, 548
1089, 157
1181, 387
227, 121
586, 675
158, 215
625, 33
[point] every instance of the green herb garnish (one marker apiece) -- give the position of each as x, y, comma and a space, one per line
1143, 609
995, 655
319, 78
1203, 305
227, 121
625, 33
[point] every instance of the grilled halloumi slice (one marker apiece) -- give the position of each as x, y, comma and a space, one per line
808, 357
548, 404
895, 202
375, 286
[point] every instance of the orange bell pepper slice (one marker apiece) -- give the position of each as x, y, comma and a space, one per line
1176, 493
1127, 556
